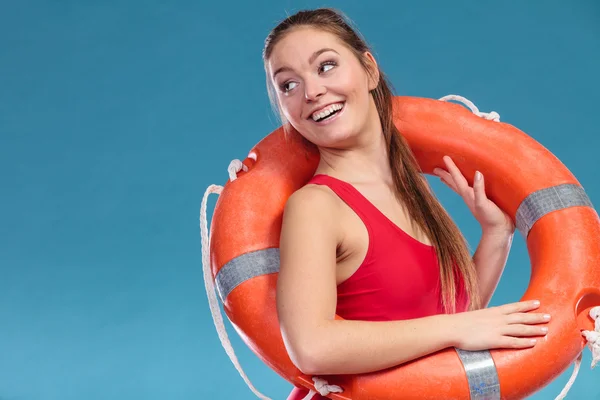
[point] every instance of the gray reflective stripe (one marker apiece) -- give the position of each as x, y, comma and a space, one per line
244, 267
544, 201
481, 374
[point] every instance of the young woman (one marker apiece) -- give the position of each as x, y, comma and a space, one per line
365, 238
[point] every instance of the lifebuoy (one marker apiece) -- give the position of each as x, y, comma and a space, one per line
550, 208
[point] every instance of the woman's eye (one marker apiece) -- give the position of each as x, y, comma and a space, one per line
327, 66
286, 87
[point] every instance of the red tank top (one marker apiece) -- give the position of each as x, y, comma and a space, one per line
399, 277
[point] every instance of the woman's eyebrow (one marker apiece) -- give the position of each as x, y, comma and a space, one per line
310, 60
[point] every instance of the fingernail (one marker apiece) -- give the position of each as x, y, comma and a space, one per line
533, 341
536, 302
544, 329
478, 176
546, 316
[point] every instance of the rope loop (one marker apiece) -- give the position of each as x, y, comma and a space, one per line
491, 116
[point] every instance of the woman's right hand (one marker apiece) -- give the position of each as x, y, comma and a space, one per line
510, 326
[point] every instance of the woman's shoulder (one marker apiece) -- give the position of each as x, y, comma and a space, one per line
312, 205
312, 197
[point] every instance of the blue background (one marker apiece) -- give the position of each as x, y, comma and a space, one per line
116, 116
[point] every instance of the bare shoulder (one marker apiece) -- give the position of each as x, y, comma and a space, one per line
310, 213
312, 199
308, 246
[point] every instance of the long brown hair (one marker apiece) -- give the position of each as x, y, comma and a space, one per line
410, 186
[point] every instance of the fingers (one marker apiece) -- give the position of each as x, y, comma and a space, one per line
479, 189
511, 326
522, 326
459, 180
521, 330
454, 178
528, 318
520, 307
446, 178
508, 342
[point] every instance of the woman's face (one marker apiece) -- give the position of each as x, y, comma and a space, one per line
322, 88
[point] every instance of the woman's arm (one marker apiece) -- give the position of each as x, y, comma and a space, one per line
497, 227
490, 259
318, 343
306, 300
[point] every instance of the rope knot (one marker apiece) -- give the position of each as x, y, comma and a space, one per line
593, 337
491, 116
235, 166
324, 388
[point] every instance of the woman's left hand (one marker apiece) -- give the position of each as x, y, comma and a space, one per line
491, 218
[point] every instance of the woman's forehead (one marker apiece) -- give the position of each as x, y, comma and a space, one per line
300, 44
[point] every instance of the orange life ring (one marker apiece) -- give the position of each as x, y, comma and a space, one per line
547, 203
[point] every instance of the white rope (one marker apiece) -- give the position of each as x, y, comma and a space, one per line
571, 381
593, 337
210, 286
235, 166
310, 395
492, 116
593, 342
321, 385
323, 388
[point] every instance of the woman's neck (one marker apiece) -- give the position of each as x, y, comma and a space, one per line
367, 161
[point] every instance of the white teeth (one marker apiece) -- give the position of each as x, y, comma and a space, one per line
327, 111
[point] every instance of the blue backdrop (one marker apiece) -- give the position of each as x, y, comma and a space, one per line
116, 116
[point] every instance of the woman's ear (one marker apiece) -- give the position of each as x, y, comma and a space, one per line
372, 70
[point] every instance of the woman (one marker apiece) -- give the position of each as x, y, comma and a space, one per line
365, 238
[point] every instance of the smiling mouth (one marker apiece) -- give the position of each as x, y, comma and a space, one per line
328, 113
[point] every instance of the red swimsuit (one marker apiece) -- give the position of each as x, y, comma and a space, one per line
399, 277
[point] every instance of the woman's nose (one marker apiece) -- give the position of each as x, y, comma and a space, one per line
313, 90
